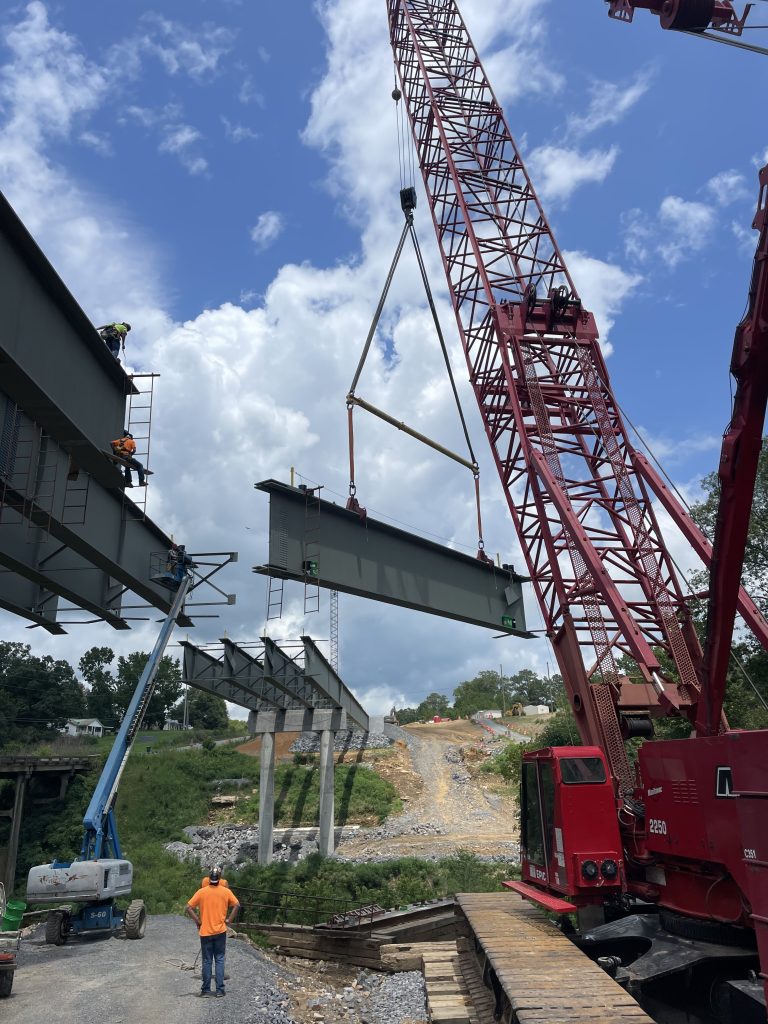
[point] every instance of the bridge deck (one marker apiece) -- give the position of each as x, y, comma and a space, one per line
537, 974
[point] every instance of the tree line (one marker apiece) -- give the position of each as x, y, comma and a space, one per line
38, 695
488, 690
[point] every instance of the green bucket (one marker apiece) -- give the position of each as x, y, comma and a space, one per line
14, 911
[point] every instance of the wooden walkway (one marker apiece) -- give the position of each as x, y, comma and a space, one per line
536, 973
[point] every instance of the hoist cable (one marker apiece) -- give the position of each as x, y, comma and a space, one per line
380, 307
443, 347
728, 42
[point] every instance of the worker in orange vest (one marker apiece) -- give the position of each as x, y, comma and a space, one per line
213, 909
125, 449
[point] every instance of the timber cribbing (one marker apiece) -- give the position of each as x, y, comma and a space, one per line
536, 973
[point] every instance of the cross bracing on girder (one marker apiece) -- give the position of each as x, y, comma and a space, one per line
268, 679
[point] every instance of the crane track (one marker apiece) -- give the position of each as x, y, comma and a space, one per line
535, 972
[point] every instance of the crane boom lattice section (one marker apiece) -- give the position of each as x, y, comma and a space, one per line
603, 577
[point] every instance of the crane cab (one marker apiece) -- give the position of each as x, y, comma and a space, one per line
570, 830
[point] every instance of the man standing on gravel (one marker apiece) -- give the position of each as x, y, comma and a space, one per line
213, 910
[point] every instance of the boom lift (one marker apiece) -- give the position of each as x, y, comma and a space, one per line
682, 833
100, 875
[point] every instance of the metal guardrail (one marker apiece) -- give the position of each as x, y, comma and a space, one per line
269, 906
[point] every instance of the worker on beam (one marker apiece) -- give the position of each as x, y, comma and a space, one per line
113, 335
124, 449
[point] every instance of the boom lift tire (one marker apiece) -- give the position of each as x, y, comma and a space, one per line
706, 931
57, 928
6, 983
135, 921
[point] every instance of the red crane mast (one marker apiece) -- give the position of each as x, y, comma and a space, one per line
581, 499
579, 496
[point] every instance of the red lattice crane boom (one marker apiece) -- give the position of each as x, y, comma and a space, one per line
581, 499
578, 494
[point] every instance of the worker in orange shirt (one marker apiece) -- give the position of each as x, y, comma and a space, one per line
125, 448
213, 909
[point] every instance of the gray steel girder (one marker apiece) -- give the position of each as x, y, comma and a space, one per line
325, 679
201, 667
243, 680
241, 667
116, 537
53, 364
374, 560
288, 677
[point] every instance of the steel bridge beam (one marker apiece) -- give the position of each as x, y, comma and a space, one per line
51, 356
374, 560
277, 684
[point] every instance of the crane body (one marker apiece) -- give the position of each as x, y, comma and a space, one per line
101, 875
682, 830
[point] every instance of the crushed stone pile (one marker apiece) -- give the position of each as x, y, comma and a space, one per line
368, 998
348, 739
237, 846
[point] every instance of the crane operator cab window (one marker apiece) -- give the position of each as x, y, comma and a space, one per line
570, 833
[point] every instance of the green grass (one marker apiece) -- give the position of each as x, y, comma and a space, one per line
163, 792
314, 889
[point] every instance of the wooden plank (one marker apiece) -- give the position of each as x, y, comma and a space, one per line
543, 976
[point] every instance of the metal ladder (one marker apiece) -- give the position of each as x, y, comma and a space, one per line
139, 423
311, 552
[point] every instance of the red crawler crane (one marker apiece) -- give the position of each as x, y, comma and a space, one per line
686, 15
685, 829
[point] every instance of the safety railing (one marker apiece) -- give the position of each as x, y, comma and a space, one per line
268, 906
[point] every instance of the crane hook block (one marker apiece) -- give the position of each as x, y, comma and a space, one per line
408, 199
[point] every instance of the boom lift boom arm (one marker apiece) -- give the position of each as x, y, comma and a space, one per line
100, 838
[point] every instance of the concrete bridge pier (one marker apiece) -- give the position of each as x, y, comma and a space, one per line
325, 721
327, 738
266, 797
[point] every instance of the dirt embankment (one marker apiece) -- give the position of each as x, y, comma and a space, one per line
448, 805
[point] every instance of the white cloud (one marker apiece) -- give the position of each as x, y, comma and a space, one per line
175, 136
746, 238
237, 132
176, 46
248, 93
603, 288
267, 228
610, 102
670, 451
685, 228
727, 187
559, 171
679, 229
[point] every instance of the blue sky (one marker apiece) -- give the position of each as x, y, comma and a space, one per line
224, 176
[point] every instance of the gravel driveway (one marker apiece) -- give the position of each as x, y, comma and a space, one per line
117, 981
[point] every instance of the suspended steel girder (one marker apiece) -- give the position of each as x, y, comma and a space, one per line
374, 560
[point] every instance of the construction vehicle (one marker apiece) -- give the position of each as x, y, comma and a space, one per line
100, 875
681, 836
716, 20
10, 940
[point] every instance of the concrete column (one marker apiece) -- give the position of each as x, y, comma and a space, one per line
13, 842
266, 797
327, 736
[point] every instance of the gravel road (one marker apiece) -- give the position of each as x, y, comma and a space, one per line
116, 981
453, 811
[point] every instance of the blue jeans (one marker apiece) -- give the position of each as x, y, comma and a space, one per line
213, 948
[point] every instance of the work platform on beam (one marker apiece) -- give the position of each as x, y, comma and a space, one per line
315, 542
283, 693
